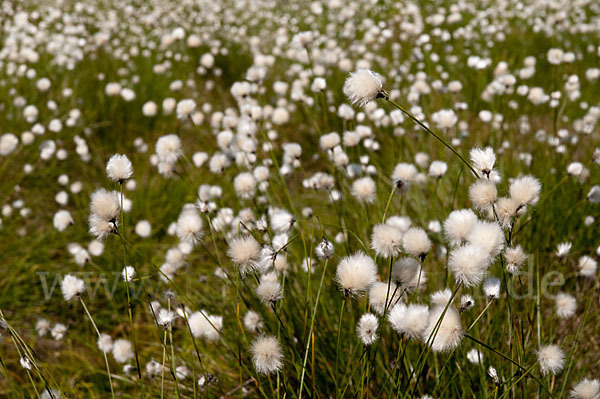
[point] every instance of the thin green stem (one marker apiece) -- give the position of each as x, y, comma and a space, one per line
112, 393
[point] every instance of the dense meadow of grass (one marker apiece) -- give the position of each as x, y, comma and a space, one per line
207, 315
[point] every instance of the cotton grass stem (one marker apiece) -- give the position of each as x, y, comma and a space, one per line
112, 393
312, 324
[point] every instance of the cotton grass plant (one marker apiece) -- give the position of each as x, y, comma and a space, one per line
390, 200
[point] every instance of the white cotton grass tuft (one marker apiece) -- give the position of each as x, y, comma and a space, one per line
491, 288
143, 228
166, 317
515, 257
408, 274
122, 350
203, 325
244, 185
189, 226
409, 319
551, 359
483, 159
475, 356
587, 266
458, 224
386, 240
266, 355
356, 273
71, 287
168, 148
119, 168
62, 219
269, 289
363, 86
382, 296
42, 327
253, 321
364, 190
416, 243
281, 221
487, 235
566, 305
105, 343
105, 204
469, 264
586, 389
506, 210
466, 302
325, 249
442, 297
525, 190
244, 252
128, 273
563, 249
367, 328
483, 194
449, 330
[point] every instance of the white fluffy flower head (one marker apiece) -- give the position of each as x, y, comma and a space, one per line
356, 273
363, 86
119, 168
367, 328
266, 355
71, 287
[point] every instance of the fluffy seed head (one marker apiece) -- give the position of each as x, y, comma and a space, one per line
469, 264
362, 86
122, 350
119, 168
587, 266
245, 185
168, 148
491, 288
551, 359
356, 273
105, 204
205, 325
525, 190
483, 159
475, 356
386, 240
266, 355
105, 343
379, 293
62, 220
128, 273
458, 224
282, 221
244, 252
364, 190
189, 227
586, 389
367, 328
566, 304
515, 257
269, 289
410, 320
449, 333
487, 235
483, 194
405, 273
416, 242
252, 321
71, 287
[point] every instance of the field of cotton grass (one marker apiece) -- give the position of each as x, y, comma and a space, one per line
326, 199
